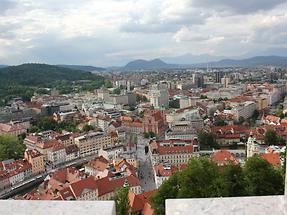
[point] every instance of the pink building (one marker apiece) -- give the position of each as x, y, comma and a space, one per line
153, 121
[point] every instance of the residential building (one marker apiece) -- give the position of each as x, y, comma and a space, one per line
72, 152
4, 180
174, 152
36, 159
12, 128
223, 157
98, 167
92, 142
244, 110
57, 155
162, 172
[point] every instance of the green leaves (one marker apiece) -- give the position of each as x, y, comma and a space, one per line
122, 201
11, 147
48, 123
261, 178
203, 179
207, 140
271, 138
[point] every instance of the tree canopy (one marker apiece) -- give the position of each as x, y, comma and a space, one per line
207, 140
11, 147
122, 201
23, 80
48, 123
203, 178
272, 138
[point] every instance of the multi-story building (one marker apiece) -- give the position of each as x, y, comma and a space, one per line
180, 134
174, 152
162, 172
17, 171
98, 167
225, 81
198, 80
244, 110
72, 152
132, 125
92, 142
57, 155
218, 76
12, 128
85, 189
4, 180
65, 139
36, 159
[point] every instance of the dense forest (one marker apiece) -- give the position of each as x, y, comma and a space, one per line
23, 80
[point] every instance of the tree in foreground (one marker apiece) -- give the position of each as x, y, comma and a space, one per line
11, 147
204, 179
261, 178
122, 201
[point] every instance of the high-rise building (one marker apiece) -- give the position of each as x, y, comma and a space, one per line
198, 80
218, 76
225, 81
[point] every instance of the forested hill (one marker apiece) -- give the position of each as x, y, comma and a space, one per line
25, 80
41, 75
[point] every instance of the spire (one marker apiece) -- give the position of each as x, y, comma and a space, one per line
126, 184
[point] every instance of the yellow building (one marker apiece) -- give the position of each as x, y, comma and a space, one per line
36, 159
261, 103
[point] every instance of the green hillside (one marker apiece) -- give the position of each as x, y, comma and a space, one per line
24, 80
42, 74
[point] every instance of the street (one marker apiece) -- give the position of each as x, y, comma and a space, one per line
146, 175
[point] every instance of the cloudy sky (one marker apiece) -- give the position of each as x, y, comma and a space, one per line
112, 32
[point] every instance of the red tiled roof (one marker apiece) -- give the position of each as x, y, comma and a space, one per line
66, 193
11, 127
223, 157
135, 203
147, 210
161, 171
107, 185
272, 118
174, 149
99, 163
79, 186
33, 153
272, 158
139, 202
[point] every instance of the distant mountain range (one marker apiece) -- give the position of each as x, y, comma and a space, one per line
253, 61
83, 68
187, 61
145, 64
248, 62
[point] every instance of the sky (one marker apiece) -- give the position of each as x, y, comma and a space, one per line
113, 32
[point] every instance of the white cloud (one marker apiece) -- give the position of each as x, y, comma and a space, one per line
110, 32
